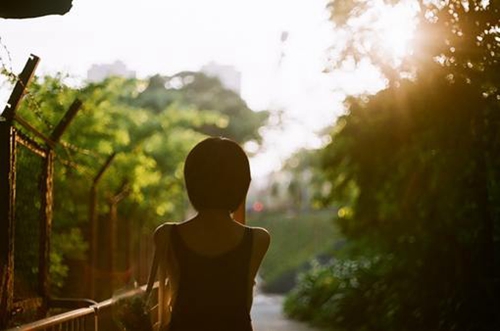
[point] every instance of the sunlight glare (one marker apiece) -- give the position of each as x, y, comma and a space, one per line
396, 30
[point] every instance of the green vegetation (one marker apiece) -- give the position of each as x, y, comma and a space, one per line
206, 94
295, 238
329, 295
150, 139
415, 170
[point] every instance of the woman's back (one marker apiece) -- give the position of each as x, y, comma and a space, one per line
212, 291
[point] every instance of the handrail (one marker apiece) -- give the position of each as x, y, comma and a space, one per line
71, 303
92, 309
60, 318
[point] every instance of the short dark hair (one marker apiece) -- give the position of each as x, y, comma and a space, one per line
217, 174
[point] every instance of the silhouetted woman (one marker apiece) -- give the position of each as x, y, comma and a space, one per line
211, 260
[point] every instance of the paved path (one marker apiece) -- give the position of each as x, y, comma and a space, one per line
267, 315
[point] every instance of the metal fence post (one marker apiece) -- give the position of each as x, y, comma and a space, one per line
7, 190
47, 201
7, 202
93, 225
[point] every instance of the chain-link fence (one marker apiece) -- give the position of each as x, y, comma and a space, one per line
26, 170
26, 210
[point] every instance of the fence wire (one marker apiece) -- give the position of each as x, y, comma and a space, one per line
28, 211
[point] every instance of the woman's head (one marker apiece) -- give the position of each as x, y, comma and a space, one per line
217, 174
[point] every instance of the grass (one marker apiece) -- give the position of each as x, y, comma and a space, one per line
295, 240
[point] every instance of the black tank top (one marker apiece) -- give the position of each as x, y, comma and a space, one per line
213, 291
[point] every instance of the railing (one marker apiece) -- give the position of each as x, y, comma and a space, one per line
86, 315
75, 320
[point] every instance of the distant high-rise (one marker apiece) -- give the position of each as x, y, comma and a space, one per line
227, 74
99, 72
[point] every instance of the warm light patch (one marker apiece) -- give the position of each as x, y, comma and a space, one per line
395, 29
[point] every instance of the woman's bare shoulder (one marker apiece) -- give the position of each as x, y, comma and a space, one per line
162, 230
261, 241
262, 238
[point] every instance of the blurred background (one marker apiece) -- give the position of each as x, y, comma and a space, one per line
372, 127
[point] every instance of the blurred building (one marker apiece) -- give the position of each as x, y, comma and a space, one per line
99, 72
227, 74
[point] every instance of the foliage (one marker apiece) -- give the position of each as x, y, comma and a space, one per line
416, 171
428, 196
307, 186
323, 295
148, 152
68, 244
131, 311
463, 36
203, 93
149, 147
299, 186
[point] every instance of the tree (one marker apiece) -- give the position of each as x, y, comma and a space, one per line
150, 149
416, 167
423, 161
462, 36
307, 183
205, 94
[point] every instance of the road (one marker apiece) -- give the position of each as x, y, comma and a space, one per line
267, 315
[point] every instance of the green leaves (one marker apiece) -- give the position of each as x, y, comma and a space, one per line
415, 170
412, 168
200, 93
150, 131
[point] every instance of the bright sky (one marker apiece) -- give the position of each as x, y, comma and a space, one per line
167, 36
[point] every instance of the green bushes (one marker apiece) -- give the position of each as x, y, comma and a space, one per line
381, 293
322, 295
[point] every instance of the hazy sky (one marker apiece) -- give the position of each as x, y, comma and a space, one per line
167, 36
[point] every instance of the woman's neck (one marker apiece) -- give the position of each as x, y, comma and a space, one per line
215, 215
